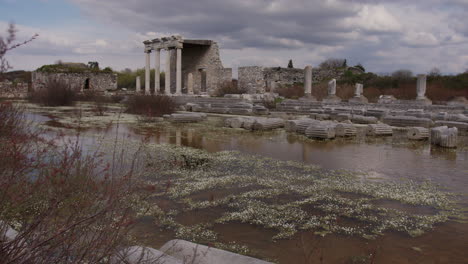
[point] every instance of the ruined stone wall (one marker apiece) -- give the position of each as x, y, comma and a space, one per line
199, 58
251, 79
277, 76
97, 81
256, 79
10, 89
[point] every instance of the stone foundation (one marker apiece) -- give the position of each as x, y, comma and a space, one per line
13, 90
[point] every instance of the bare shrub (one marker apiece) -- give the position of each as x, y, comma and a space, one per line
150, 105
333, 63
55, 93
7, 44
294, 91
229, 88
67, 207
402, 74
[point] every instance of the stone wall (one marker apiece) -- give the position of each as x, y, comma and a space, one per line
10, 89
252, 79
204, 62
277, 76
78, 81
256, 79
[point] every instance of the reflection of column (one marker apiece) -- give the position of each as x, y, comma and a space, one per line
167, 73
178, 137
157, 71
189, 137
147, 74
179, 72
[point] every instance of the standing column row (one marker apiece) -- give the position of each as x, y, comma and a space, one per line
167, 73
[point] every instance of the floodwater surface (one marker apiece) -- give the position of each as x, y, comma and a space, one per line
387, 158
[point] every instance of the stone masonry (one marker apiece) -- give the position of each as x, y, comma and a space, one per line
10, 89
257, 79
83, 81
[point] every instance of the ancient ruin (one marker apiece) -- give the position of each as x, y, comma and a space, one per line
198, 59
77, 76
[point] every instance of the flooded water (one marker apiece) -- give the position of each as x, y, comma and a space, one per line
383, 158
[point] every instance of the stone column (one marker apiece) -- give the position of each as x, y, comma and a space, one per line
358, 95
421, 90
138, 84
147, 73
167, 73
190, 83
359, 90
179, 72
421, 86
331, 98
308, 80
332, 87
157, 71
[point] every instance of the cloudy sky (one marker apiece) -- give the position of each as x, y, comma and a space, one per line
383, 35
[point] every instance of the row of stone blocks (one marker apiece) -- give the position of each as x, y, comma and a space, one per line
254, 123
186, 117
228, 108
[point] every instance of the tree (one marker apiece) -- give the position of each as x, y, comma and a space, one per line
333, 63
93, 65
7, 44
434, 72
359, 66
290, 64
402, 74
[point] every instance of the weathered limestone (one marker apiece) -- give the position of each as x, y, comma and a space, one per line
407, 121
320, 130
358, 97
444, 137
200, 254
147, 73
379, 130
463, 126
187, 118
179, 72
137, 254
331, 98
308, 83
190, 83
294, 125
267, 123
167, 73
157, 71
378, 113
360, 119
458, 101
345, 130
138, 84
235, 122
421, 90
387, 99
418, 133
